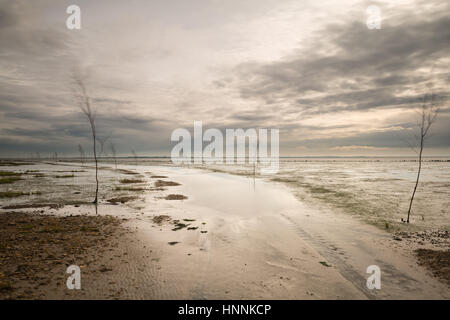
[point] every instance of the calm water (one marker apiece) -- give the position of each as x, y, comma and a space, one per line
376, 189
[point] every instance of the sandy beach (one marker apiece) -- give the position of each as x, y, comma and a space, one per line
174, 235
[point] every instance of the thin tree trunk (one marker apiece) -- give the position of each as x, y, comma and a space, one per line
96, 165
417, 180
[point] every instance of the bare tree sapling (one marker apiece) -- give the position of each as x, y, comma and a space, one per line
113, 152
81, 151
427, 116
85, 106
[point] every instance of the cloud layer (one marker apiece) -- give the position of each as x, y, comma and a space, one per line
318, 73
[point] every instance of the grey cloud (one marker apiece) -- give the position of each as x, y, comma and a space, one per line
368, 69
345, 67
383, 139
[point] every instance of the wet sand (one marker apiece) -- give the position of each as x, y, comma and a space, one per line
233, 237
263, 243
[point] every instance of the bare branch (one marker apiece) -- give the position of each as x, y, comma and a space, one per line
85, 106
428, 115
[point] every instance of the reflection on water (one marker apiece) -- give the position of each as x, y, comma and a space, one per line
229, 194
377, 189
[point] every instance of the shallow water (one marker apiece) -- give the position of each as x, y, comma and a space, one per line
230, 194
375, 190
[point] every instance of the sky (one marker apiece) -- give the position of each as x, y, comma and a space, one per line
312, 69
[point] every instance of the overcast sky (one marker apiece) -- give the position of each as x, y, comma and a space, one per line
310, 68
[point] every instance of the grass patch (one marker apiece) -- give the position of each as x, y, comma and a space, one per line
121, 200
350, 203
129, 189
14, 164
9, 180
157, 189
175, 197
158, 177
320, 190
124, 171
283, 180
129, 181
65, 176
12, 194
9, 173
162, 183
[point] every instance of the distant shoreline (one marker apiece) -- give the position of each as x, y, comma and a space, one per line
305, 158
